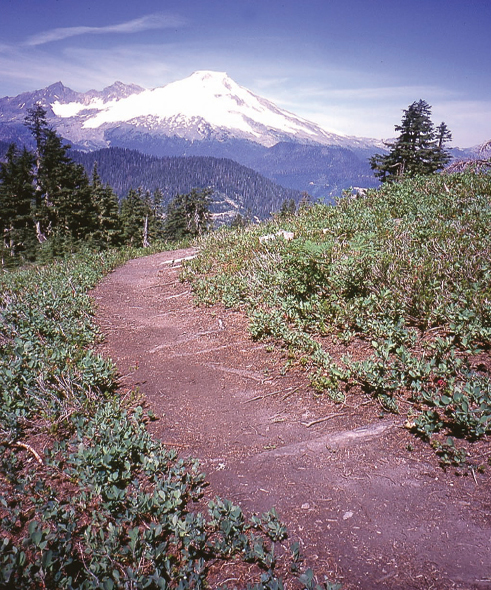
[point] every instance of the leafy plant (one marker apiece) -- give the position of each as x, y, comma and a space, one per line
449, 454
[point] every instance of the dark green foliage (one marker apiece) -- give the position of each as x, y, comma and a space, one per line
16, 197
63, 201
239, 221
288, 207
188, 215
133, 212
105, 201
141, 218
419, 149
49, 207
125, 169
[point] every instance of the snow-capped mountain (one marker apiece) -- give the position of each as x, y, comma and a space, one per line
206, 114
205, 106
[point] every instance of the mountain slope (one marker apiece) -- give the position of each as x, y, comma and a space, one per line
206, 105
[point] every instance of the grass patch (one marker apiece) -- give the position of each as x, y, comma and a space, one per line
400, 280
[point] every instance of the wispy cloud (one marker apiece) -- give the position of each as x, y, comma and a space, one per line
144, 23
376, 93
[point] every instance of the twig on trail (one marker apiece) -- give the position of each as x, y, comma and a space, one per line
160, 286
174, 444
178, 295
258, 397
319, 420
24, 446
290, 393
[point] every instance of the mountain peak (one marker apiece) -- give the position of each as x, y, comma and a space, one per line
119, 90
57, 87
121, 86
208, 81
207, 105
209, 75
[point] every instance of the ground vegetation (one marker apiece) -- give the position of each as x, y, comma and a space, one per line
88, 499
399, 279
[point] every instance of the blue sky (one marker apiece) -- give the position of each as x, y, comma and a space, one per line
350, 65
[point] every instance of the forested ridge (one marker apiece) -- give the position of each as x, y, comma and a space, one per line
124, 169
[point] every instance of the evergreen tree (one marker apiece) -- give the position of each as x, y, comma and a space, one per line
156, 215
36, 122
288, 208
63, 205
443, 135
142, 218
108, 232
133, 213
16, 197
239, 221
419, 149
188, 215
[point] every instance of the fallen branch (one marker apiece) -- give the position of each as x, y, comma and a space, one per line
290, 393
178, 295
258, 397
24, 446
319, 420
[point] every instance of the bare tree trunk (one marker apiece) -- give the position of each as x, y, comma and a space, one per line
41, 237
146, 243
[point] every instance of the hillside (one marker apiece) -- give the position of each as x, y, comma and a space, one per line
387, 295
376, 333
237, 189
322, 171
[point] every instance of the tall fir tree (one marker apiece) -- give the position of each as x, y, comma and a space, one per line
36, 123
188, 215
288, 209
419, 149
141, 218
133, 214
16, 198
105, 201
63, 204
158, 215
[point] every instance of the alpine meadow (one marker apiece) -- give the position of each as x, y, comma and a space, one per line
381, 298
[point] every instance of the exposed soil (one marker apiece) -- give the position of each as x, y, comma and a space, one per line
369, 511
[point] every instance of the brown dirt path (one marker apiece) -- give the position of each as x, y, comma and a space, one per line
368, 511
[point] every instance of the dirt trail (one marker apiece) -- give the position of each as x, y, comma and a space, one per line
368, 511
